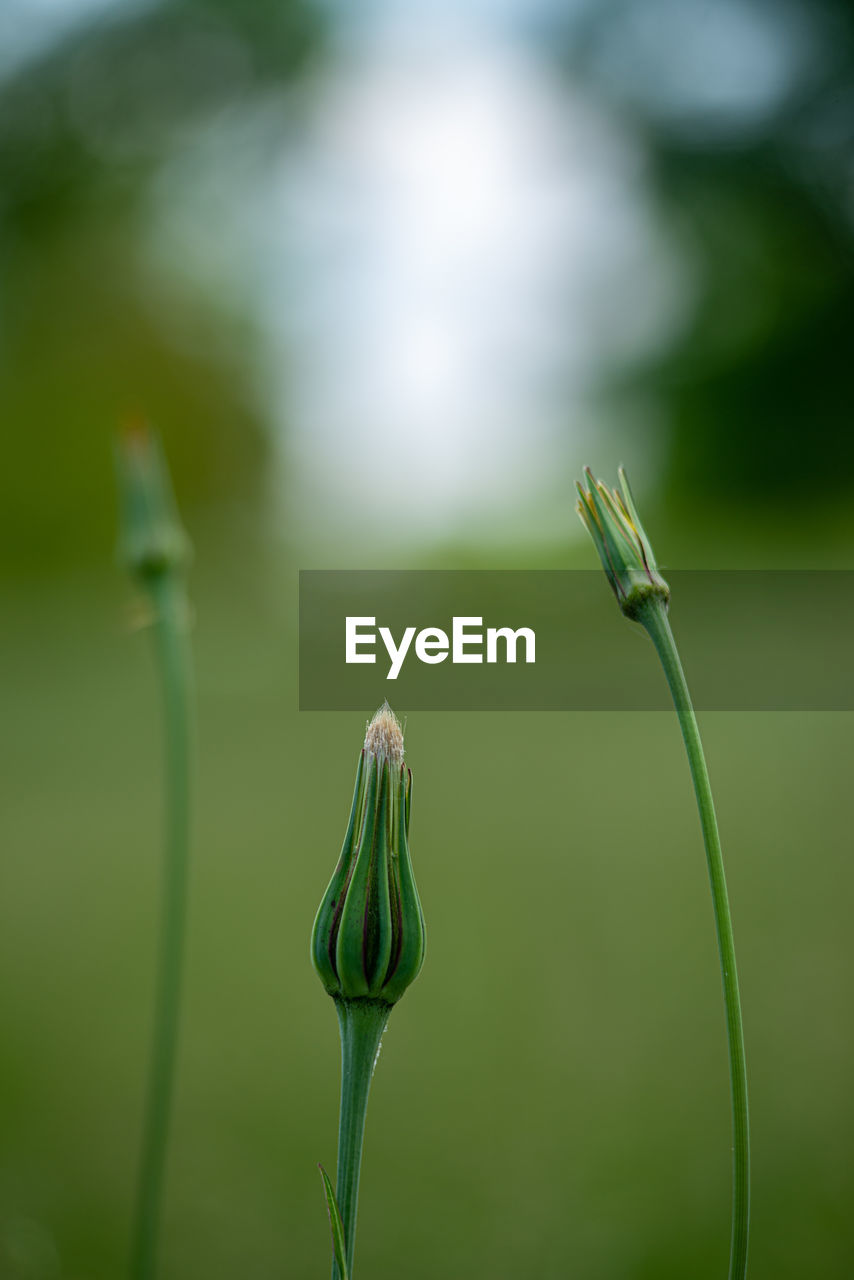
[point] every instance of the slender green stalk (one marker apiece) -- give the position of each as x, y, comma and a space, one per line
367, 944
612, 520
652, 615
168, 596
362, 1024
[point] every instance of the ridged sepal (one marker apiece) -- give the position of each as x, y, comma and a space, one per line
368, 937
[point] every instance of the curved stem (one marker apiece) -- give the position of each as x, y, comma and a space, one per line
175, 663
652, 616
362, 1023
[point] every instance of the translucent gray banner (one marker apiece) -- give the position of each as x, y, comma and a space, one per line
554, 640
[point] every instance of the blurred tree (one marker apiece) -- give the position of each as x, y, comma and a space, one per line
747, 112
82, 341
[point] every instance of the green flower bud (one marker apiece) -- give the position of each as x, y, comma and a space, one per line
612, 520
152, 540
368, 937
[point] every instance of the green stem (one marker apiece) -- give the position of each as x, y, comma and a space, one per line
174, 660
362, 1024
653, 617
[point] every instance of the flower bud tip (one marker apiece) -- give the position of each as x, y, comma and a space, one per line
612, 520
384, 736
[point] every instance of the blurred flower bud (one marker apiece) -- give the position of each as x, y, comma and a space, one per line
368, 937
624, 549
152, 540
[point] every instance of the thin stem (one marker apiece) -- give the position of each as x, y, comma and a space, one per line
362, 1024
175, 663
653, 617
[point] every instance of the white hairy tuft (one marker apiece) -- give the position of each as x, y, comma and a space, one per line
385, 736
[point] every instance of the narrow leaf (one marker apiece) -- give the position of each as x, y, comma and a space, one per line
335, 1225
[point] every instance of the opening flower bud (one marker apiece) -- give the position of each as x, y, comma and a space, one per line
611, 518
368, 937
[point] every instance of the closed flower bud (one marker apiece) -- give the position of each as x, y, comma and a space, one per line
152, 540
612, 520
368, 937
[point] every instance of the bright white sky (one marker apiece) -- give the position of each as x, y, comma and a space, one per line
444, 256
459, 229
448, 249
465, 245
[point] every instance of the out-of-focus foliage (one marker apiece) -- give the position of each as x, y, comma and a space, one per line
83, 338
756, 393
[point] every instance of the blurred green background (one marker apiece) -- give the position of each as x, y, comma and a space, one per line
385, 278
